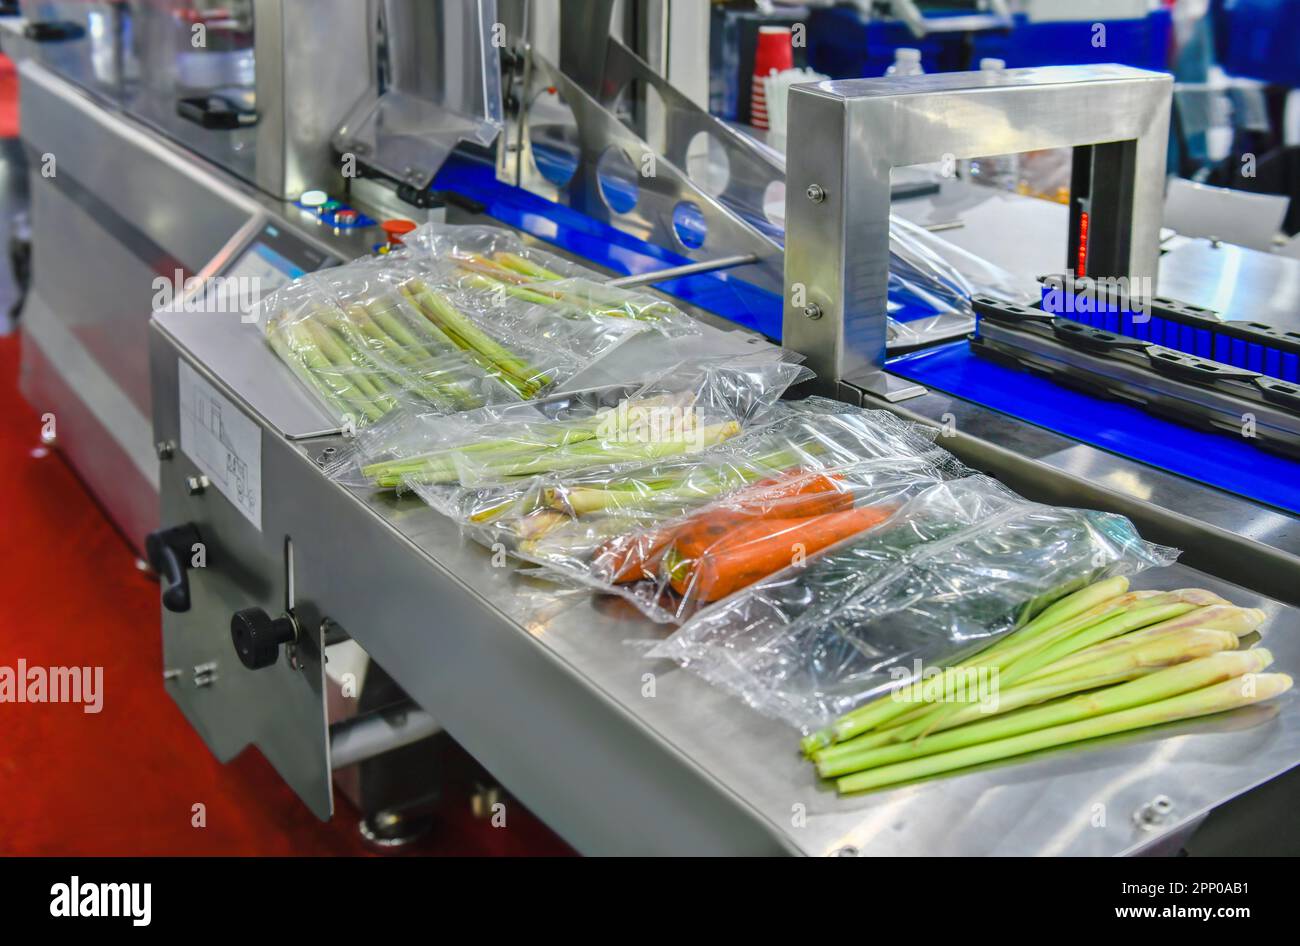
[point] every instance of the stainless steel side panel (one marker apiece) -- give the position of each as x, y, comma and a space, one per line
113, 209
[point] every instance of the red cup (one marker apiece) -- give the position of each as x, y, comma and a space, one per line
774, 53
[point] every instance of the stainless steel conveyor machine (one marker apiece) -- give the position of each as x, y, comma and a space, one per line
540, 685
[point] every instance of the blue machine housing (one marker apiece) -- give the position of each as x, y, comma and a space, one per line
845, 45
1259, 39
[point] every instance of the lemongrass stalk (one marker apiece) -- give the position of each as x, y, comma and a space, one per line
427, 307
341, 355
1113, 668
895, 703
301, 366
602, 452
1236, 621
461, 328
403, 346
1186, 609
338, 373
479, 280
1071, 606
527, 267
1205, 701
1009, 674
546, 436
435, 344
1207, 671
1018, 645
584, 500
402, 366
543, 459
1176, 649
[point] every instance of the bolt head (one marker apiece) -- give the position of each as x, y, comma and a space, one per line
815, 193
812, 311
165, 449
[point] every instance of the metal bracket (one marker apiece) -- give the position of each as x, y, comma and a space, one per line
837, 249
661, 194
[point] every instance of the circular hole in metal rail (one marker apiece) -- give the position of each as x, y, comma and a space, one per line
707, 163
689, 225
640, 107
774, 204
553, 135
616, 180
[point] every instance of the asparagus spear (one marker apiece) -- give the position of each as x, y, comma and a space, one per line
1207, 700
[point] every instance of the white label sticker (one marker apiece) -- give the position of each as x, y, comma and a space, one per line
222, 442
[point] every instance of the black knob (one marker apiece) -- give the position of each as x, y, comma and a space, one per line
257, 637
169, 552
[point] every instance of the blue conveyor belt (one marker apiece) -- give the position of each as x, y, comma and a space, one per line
1219, 460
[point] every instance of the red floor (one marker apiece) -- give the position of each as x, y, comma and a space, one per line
123, 781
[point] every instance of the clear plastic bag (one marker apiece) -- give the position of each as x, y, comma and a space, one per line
497, 260
673, 535
498, 450
425, 325
958, 566
925, 267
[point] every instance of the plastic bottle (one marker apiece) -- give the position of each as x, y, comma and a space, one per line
907, 62
1001, 171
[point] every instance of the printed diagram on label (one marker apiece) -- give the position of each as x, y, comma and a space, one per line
207, 414
223, 442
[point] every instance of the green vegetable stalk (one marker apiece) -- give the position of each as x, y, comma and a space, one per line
1178, 648
1099, 718
1082, 609
1156, 609
513, 370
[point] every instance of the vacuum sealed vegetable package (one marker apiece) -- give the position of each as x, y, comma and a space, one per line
674, 535
955, 567
497, 260
492, 451
447, 326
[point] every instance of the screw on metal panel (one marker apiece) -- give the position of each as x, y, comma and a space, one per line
326, 455
812, 311
173, 673
197, 484
815, 193
165, 449
1154, 813
847, 851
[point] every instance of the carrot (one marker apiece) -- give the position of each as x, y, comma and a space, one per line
792, 496
636, 557
713, 562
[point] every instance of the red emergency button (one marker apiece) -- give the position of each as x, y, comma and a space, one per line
397, 228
